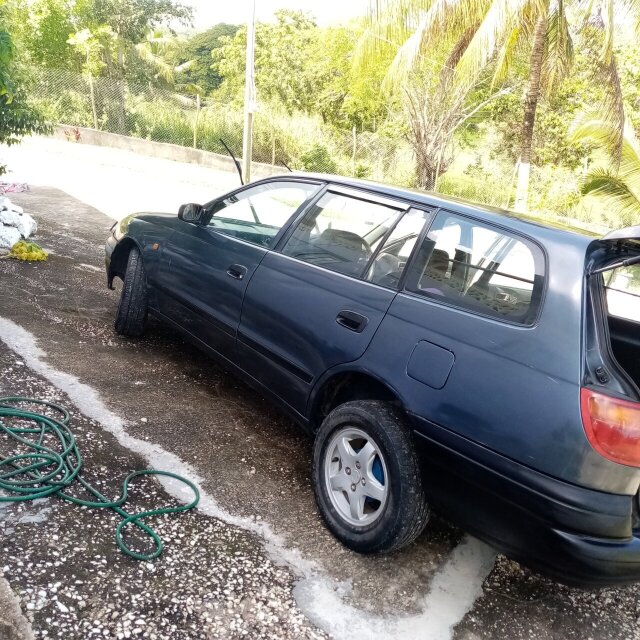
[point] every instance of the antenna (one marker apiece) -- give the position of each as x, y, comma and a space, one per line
224, 144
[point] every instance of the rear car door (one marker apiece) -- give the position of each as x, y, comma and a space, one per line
318, 300
207, 267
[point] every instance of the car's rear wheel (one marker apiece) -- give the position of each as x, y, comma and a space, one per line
367, 479
132, 308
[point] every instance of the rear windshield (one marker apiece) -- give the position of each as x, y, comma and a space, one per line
623, 292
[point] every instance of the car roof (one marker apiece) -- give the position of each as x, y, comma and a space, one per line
518, 222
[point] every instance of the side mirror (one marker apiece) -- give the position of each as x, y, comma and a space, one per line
191, 212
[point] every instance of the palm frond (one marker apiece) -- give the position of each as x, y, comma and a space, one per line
600, 133
505, 57
559, 51
418, 27
500, 19
162, 68
609, 27
616, 192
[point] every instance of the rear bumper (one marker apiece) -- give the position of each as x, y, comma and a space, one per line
588, 561
575, 535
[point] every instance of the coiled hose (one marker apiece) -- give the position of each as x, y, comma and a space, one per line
49, 462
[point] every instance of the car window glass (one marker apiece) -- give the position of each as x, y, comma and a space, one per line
623, 292
390, 261
258, 213
479, 268
340, 233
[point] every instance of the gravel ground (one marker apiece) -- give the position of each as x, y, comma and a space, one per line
213, 580
250, 459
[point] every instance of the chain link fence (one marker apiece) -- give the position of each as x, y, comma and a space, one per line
298, 141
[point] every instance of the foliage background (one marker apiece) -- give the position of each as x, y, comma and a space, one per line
134, 67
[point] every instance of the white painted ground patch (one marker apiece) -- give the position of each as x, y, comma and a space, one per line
453, 590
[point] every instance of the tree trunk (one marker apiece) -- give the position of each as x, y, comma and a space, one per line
530, 106
426, 172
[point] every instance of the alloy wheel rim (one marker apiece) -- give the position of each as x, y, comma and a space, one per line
356, 478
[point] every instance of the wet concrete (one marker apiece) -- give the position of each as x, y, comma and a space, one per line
254, 461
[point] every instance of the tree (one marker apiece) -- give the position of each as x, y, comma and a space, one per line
500, 28
198, 48
47, 26
426, 90
92, 46
280, 60
619, 185
128, 21
17, 117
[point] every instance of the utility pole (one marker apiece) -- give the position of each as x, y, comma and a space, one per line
249, 96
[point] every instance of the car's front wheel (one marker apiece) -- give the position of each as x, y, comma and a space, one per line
132, 308
367, 479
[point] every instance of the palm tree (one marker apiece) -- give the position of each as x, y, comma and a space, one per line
500, 29
160, 50
434, 105
618, 186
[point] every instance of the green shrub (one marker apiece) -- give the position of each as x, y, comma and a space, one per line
318, 159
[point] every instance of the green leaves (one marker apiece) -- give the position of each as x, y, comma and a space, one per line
620, 188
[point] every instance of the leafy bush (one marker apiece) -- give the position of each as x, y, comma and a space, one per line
319, 160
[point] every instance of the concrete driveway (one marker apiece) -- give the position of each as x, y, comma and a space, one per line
254, 560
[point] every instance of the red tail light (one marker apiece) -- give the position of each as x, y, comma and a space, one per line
612, 426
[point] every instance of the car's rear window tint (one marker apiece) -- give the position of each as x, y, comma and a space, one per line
479, 268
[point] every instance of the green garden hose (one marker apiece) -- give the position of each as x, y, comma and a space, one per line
47, 461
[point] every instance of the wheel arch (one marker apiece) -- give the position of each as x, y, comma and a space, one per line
119, 258
339, 386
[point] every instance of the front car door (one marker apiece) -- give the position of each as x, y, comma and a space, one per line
207, 267
317, 300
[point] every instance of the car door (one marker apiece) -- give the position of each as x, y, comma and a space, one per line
206, 267
311, 304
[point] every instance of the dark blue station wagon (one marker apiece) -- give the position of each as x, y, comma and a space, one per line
444, 355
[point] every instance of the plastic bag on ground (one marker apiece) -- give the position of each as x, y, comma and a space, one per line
13, 216
8, 236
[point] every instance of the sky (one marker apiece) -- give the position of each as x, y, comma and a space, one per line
210, 12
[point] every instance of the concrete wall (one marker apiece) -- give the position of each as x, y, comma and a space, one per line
165, 150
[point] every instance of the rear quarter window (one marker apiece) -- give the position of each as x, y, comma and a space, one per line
479, 268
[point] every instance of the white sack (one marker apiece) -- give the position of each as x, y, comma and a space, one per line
5, 203
8, 236
23, 222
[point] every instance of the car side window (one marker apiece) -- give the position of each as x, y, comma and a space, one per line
341, 233
623, 292
390, 261
258, 213
479, 268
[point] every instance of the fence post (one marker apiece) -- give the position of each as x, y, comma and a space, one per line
93, 101
353, 158
195, 124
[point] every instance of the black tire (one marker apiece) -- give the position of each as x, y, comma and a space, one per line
405, 512
132, 308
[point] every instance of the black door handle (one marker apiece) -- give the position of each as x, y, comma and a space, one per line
352, 321
237, 271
